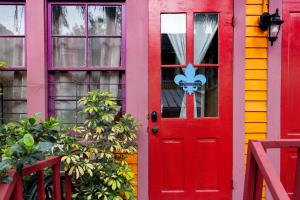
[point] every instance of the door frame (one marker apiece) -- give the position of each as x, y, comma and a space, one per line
274, 94
138, 65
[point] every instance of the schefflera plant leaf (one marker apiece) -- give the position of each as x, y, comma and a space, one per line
103, 142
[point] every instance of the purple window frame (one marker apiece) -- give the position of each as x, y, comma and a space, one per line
85, 68
17, 68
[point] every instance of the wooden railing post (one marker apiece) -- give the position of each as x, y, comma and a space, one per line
40, 185
68, 187
56, 181
258, 185
251, 171
297, 178
18, 191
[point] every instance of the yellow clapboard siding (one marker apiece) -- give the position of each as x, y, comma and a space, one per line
256, 85
256, 42
256, 63
255, 95
255, 117
256, 106
254, 136
256, 53
252, 20
256, 74
254, 2
254, 9
255, 127
255, 31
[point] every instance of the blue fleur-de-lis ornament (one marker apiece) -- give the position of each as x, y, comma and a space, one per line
190, 81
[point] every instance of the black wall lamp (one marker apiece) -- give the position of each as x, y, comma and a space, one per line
271, 22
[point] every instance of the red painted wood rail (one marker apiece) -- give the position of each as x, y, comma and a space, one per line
259, 168
14, 189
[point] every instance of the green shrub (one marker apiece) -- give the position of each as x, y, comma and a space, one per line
25, 142
95, 153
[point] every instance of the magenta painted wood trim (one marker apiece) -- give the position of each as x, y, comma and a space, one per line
238, 98
36, 58
137, 82
274, 91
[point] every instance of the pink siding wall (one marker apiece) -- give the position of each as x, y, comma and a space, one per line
137, 81
36, 57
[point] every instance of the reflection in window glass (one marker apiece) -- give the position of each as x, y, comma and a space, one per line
206, 101
12, 51
66, 88
206, 38
12, 34
13, 98
68, 51
68, 20
172, 96
173, 39
105, 52
12, 20
104, 20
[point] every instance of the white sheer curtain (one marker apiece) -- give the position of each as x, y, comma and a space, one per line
206, 26
178, 42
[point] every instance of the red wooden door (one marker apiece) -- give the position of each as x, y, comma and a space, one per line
191, 140
290, 117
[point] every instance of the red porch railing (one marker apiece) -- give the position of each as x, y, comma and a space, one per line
259, 168
14, 189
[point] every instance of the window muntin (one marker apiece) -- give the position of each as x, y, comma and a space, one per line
97, 29
69, 86
12, 35
206, 49
13, 102
85, 60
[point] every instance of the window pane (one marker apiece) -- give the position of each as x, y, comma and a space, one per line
68, 52
68, 20
207, 97
67, 112
104, 20
172, 97
12, 20
12, 51
104, 51
206, 38
69, 85
13, 98
66, 88
107, 81
173, 38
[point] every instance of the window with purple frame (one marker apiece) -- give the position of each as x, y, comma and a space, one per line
12, 62
85, 54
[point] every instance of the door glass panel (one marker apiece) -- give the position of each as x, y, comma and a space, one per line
173, 39
173, 102
207, 97
206, 38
